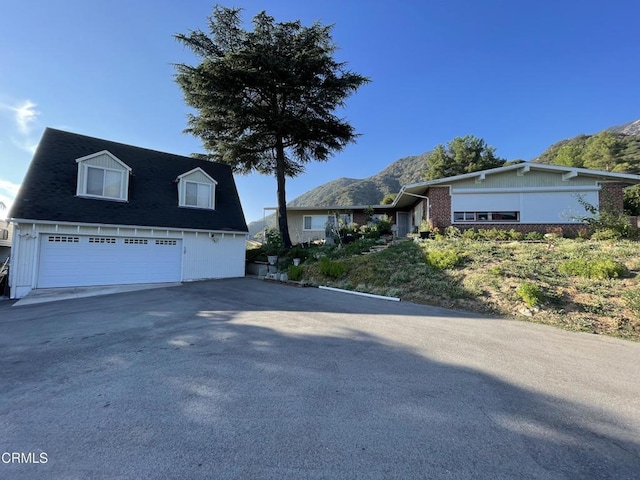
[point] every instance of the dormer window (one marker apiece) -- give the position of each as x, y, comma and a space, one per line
102, 175
196, 189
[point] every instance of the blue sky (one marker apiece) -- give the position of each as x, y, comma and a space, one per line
521, 75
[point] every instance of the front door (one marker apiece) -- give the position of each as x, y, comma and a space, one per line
403, 220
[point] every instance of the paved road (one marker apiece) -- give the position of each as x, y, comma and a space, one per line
244, 379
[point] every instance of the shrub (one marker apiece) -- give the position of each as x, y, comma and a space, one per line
606, 234
533, 236
295, 272
274, 243
600, 269
469, 234
452, 232
530, 293
332, 268
515, 235
443, 259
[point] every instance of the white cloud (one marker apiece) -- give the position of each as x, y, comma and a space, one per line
25, 115
8, 192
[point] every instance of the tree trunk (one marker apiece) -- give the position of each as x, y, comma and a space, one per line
283, 224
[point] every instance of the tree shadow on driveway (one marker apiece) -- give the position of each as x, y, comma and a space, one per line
299, 384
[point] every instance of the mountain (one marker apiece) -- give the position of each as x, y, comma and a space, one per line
631, 128
625, 155
353, 191
367, 191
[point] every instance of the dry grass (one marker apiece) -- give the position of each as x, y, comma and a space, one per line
488, 275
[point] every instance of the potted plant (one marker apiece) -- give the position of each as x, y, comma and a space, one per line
425, 229
273, 245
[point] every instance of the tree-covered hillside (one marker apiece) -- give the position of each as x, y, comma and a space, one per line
609, 151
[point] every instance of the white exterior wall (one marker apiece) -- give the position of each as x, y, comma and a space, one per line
534, 206
202, 257
222, 256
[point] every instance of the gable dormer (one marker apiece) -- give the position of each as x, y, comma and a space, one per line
196, 189
102, 175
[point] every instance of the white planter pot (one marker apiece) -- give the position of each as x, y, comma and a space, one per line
296, 261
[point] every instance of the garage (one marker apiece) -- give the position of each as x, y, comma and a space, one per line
79, 260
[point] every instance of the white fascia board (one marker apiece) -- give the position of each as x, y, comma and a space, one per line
577, 188
113, 225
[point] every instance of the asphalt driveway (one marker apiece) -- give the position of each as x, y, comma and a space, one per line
245, 379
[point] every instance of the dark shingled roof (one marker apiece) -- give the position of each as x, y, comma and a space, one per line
49, 188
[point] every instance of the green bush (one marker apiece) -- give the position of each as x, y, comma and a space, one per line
469, 234
515, 235
534, 236
452, 232
443, 259
598, 269
295, 272
332, 268
530, 293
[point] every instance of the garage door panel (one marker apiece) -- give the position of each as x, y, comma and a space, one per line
76, 260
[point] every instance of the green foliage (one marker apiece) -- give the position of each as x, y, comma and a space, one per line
570, 155
632, 200
295, 272
274, 243
605, 224
443, 259
605, 151
388, 199
601, 152
332, 268
264, 99
530, 293
452, 232
602, 269
461, 155
534, 236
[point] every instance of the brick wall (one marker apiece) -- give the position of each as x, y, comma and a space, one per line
611, 197
440, 201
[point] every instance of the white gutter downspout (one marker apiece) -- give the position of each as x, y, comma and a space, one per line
428, 203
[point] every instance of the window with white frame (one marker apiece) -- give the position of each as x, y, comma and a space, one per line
318, 222
198, 195
196, 189
512, 216
103, 182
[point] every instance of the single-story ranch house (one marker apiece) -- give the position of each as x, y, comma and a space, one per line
96, 212
525, 197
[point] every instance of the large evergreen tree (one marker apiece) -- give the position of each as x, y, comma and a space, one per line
461, 155
266, 98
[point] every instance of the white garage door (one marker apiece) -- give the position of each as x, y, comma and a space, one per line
77, 260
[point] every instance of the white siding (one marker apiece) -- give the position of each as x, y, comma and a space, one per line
104, 161
222, 256
476, 202
555, 207
197, 176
